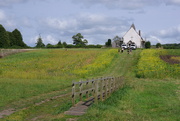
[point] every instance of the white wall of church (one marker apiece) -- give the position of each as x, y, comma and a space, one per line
133, 36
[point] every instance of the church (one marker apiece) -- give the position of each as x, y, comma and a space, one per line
131, 37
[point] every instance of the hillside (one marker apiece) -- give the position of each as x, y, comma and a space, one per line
44, 94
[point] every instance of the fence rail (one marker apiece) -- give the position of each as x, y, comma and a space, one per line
100, 88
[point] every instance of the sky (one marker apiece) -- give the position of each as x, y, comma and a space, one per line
96, 20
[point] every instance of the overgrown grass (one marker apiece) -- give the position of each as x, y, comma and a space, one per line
140, 99
151, 66
38, 72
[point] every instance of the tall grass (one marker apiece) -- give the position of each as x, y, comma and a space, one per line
32, 73
151, 66
141, 99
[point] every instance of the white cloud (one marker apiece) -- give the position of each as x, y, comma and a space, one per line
173, 32
173, 2
96, 28
126, 4
10, 2
154, 40
50, 39
123, 4
2, 15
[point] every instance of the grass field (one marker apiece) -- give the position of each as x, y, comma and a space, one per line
142, 98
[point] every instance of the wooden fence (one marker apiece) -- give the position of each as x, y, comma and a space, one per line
100, 88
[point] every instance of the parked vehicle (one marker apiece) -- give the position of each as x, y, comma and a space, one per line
124, 46
133, 47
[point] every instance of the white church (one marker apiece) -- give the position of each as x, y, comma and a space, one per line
130, 37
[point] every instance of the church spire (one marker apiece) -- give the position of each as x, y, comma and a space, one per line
133, 26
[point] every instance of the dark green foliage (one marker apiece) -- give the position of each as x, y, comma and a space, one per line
59, 45
171, 46
158, 45
40, 43
4, 39
64, 44
147, 44
12, 39
50, 46
18, 38
78, 39
108, 43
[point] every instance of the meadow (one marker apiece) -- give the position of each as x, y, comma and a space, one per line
143, 97
151, 65
32, 73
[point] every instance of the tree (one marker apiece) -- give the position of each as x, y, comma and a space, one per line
108, 43
78, 39
64, 44
4, 38
49, 45
118, 40
40, 43
59, 44
147, 44
18, 38
158, 45
12, 39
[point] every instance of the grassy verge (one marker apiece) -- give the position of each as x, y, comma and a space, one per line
140, 99
112, 69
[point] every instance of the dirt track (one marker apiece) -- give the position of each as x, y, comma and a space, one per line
6, 52
168, 59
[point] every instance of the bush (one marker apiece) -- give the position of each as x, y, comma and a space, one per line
147, 44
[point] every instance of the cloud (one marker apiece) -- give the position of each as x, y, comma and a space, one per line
169, 35
126, 4
10, 2
171, 32
173, 2
96, 28
123, 4
2, 15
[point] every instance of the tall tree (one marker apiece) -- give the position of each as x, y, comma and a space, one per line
78, 39
64, 44
18, 38
4, 38
12, 39
108, 43
40, 43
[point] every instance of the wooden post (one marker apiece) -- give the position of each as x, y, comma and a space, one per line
87, 92
93, 87
96, 91
73, 94
109, 86
114, 84
80, 90
106, 88
101, 88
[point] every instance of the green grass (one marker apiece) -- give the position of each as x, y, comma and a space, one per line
38, 72
139, 99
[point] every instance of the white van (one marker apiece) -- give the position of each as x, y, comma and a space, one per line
124, 46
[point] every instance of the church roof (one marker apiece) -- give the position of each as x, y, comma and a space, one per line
133, 26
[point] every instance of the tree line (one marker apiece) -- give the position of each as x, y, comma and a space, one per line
11, 39
78, 42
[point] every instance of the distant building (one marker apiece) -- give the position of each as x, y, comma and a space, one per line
131, 37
